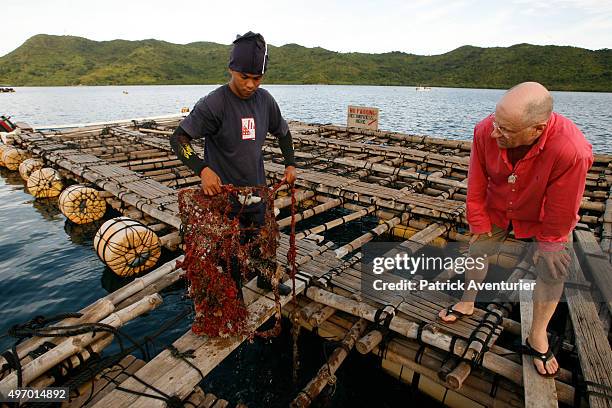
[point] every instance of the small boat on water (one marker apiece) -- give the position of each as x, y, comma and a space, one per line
7, 90
421, 88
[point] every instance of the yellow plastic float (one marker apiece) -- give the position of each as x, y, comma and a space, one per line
13, 157
126, 246
3, 147
8, 138
28, 166
82, 204
45, 183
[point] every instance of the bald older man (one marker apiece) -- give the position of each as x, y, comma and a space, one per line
527, 173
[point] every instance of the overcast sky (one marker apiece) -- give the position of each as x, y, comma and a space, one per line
422, 27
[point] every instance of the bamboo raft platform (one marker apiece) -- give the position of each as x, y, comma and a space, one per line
415, 187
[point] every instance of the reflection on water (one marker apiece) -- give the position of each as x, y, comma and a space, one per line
110, 281
47, 207
83, 234
12, 178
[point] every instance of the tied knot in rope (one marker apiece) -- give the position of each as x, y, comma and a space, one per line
181, 354
32, 326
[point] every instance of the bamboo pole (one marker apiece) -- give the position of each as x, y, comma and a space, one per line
334, 223
309, 309
171, 240
99, 310
311, 212
170, 159
409, 329
429, 364
155, 131
459, 374
320, 316
374, 337
102, 307
155, 287
540, 391
326, 373
606, 234
368, 342
406, 153
382, 200
76, 344
283, 202
174, 376
413, 222
368, 236
385, 135
481, 397
74, 361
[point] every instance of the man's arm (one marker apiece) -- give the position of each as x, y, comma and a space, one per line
279, 128
562, 202
477, 216
180, 141
286, 145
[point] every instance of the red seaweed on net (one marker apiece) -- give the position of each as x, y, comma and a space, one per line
211, 239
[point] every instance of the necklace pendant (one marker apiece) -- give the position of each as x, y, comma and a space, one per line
512, 178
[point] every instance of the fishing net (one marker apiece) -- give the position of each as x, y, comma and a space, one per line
45, 183
218, 241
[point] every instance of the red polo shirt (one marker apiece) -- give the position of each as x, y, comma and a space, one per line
549, 181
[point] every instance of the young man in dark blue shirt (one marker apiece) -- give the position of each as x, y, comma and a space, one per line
234, 120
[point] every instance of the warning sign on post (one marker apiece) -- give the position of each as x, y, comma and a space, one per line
362, 117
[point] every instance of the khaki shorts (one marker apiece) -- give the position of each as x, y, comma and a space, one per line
491, 246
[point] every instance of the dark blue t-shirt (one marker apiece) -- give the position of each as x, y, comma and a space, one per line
235, 130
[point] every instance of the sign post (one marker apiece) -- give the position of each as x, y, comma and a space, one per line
362, 117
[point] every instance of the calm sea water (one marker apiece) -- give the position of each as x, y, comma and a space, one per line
48, 266
443, 112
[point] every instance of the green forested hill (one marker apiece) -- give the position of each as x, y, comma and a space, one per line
67, 60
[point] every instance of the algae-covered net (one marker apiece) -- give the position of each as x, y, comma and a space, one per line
220, 241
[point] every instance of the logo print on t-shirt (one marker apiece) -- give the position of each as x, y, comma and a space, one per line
248, 129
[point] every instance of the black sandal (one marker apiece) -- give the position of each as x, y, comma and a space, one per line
452, 312
527, 349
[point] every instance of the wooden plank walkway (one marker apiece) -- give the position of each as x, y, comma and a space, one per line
105, 382
591, 340
174, 376
138, 168
540, 392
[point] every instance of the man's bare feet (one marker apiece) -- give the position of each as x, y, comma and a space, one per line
540, 344
461, 309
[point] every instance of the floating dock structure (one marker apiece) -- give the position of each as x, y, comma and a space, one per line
414, 186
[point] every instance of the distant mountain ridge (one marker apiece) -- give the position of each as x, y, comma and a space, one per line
48, 60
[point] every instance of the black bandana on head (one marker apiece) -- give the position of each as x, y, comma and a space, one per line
249, 54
